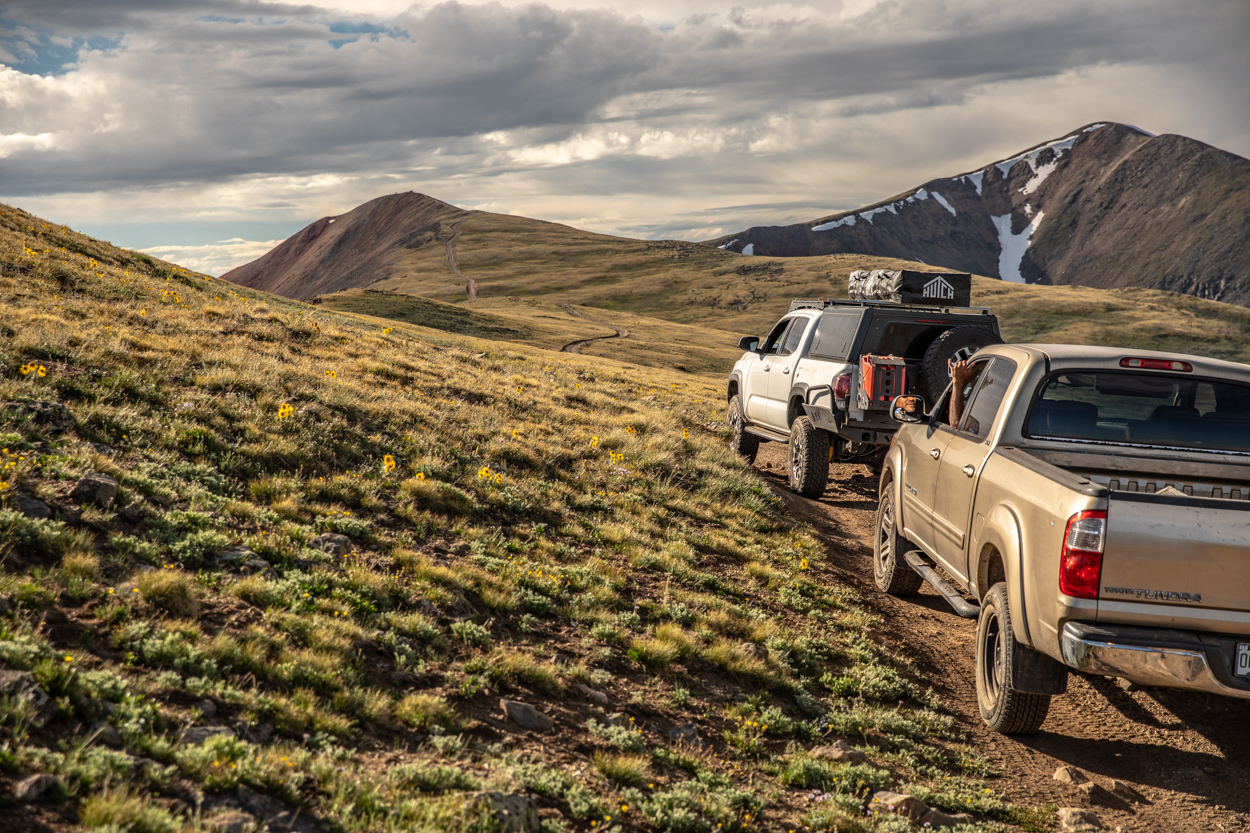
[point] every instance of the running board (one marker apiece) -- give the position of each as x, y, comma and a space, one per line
766, 433
962, 606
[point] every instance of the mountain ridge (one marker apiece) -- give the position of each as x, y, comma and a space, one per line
1106, 205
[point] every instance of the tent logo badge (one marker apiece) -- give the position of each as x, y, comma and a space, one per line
938, 288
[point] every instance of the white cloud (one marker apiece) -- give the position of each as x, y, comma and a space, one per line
213, 258
635, 121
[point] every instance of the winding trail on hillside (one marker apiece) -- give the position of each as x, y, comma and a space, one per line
1188, 754
576, 346
471, 286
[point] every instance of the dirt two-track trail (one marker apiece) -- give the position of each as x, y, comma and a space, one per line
1188, 755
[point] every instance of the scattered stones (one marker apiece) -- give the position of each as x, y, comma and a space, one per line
232, 557
231, 821
256, 565
107, 734
332, 542
102, 448
1076, 820
899, 804
260, 733
1095, 793
51, 415
1071, 775
685, 733
1124, 791
31, 507
526, 716
199, 734
1129, 685
596, 697
35, 787
95, 489
205, 707
618, 719
841, 752
512, 813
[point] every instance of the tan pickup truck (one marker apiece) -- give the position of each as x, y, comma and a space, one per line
1095, 503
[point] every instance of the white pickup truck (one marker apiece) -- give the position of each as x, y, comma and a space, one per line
822, 380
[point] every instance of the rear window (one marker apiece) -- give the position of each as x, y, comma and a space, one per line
1153, 409
908, 339
835, 335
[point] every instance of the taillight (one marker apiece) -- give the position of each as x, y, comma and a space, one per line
842, 386
1080, 565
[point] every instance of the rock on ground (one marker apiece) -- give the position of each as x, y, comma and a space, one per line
1071, 775
1076, 820
685, 733
199, 734
95, 489
332, 542
35, 787
231, 821
596, 697
899, 804
51, 415
512, 813
32, 508
526, 716
840, 752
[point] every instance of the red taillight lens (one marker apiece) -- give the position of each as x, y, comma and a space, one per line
1080, 565
842, 386
1156, 364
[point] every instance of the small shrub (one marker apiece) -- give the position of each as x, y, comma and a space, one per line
630, 770
421, 711
471, 633
172, 591
118, 810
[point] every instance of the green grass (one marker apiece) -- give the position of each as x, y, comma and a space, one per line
518, 521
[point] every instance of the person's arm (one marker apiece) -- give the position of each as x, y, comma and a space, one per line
959, 378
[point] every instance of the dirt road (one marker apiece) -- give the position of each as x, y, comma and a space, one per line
1188, 755
576, 346
471, 286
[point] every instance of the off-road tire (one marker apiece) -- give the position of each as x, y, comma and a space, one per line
954, 344
892, 574
809, 458
744, 444
1003, 708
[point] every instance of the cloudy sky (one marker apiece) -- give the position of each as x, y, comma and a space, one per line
207, 130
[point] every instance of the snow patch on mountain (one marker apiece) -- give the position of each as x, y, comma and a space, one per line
727, 245
845, 221
942, 202
1013, 247
976, 180
748, 249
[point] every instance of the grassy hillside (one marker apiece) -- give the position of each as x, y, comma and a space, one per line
334, 546
653, 342
699, 286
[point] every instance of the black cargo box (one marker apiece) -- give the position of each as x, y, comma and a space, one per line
903, 286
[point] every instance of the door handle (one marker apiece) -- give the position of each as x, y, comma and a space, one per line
935, 454
970, 470
785, 370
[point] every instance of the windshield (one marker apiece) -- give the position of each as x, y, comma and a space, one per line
1139, 408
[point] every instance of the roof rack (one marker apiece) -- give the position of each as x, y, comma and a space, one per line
816, 303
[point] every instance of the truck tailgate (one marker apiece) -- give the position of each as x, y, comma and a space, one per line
1172, 560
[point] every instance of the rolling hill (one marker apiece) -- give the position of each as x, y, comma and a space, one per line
1107, 206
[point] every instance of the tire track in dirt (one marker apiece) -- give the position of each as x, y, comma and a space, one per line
1188, 754
471, 286
576, 346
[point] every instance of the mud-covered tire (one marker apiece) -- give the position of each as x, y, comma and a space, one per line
891, 573
809, 458
1003, 708
953, 345
744, 444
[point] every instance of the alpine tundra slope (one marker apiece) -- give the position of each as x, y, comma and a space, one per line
1095, 503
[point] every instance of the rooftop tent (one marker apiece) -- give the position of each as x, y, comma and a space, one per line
903, 286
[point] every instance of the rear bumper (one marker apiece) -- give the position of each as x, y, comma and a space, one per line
1155, 656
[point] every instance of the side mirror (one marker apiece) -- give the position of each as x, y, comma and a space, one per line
908, 409
749, 343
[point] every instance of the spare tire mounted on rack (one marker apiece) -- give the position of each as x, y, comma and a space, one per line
956, 344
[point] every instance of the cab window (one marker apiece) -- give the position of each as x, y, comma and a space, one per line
773, 342
982, 410
793, 338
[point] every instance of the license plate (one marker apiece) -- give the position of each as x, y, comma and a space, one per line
1242, 666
